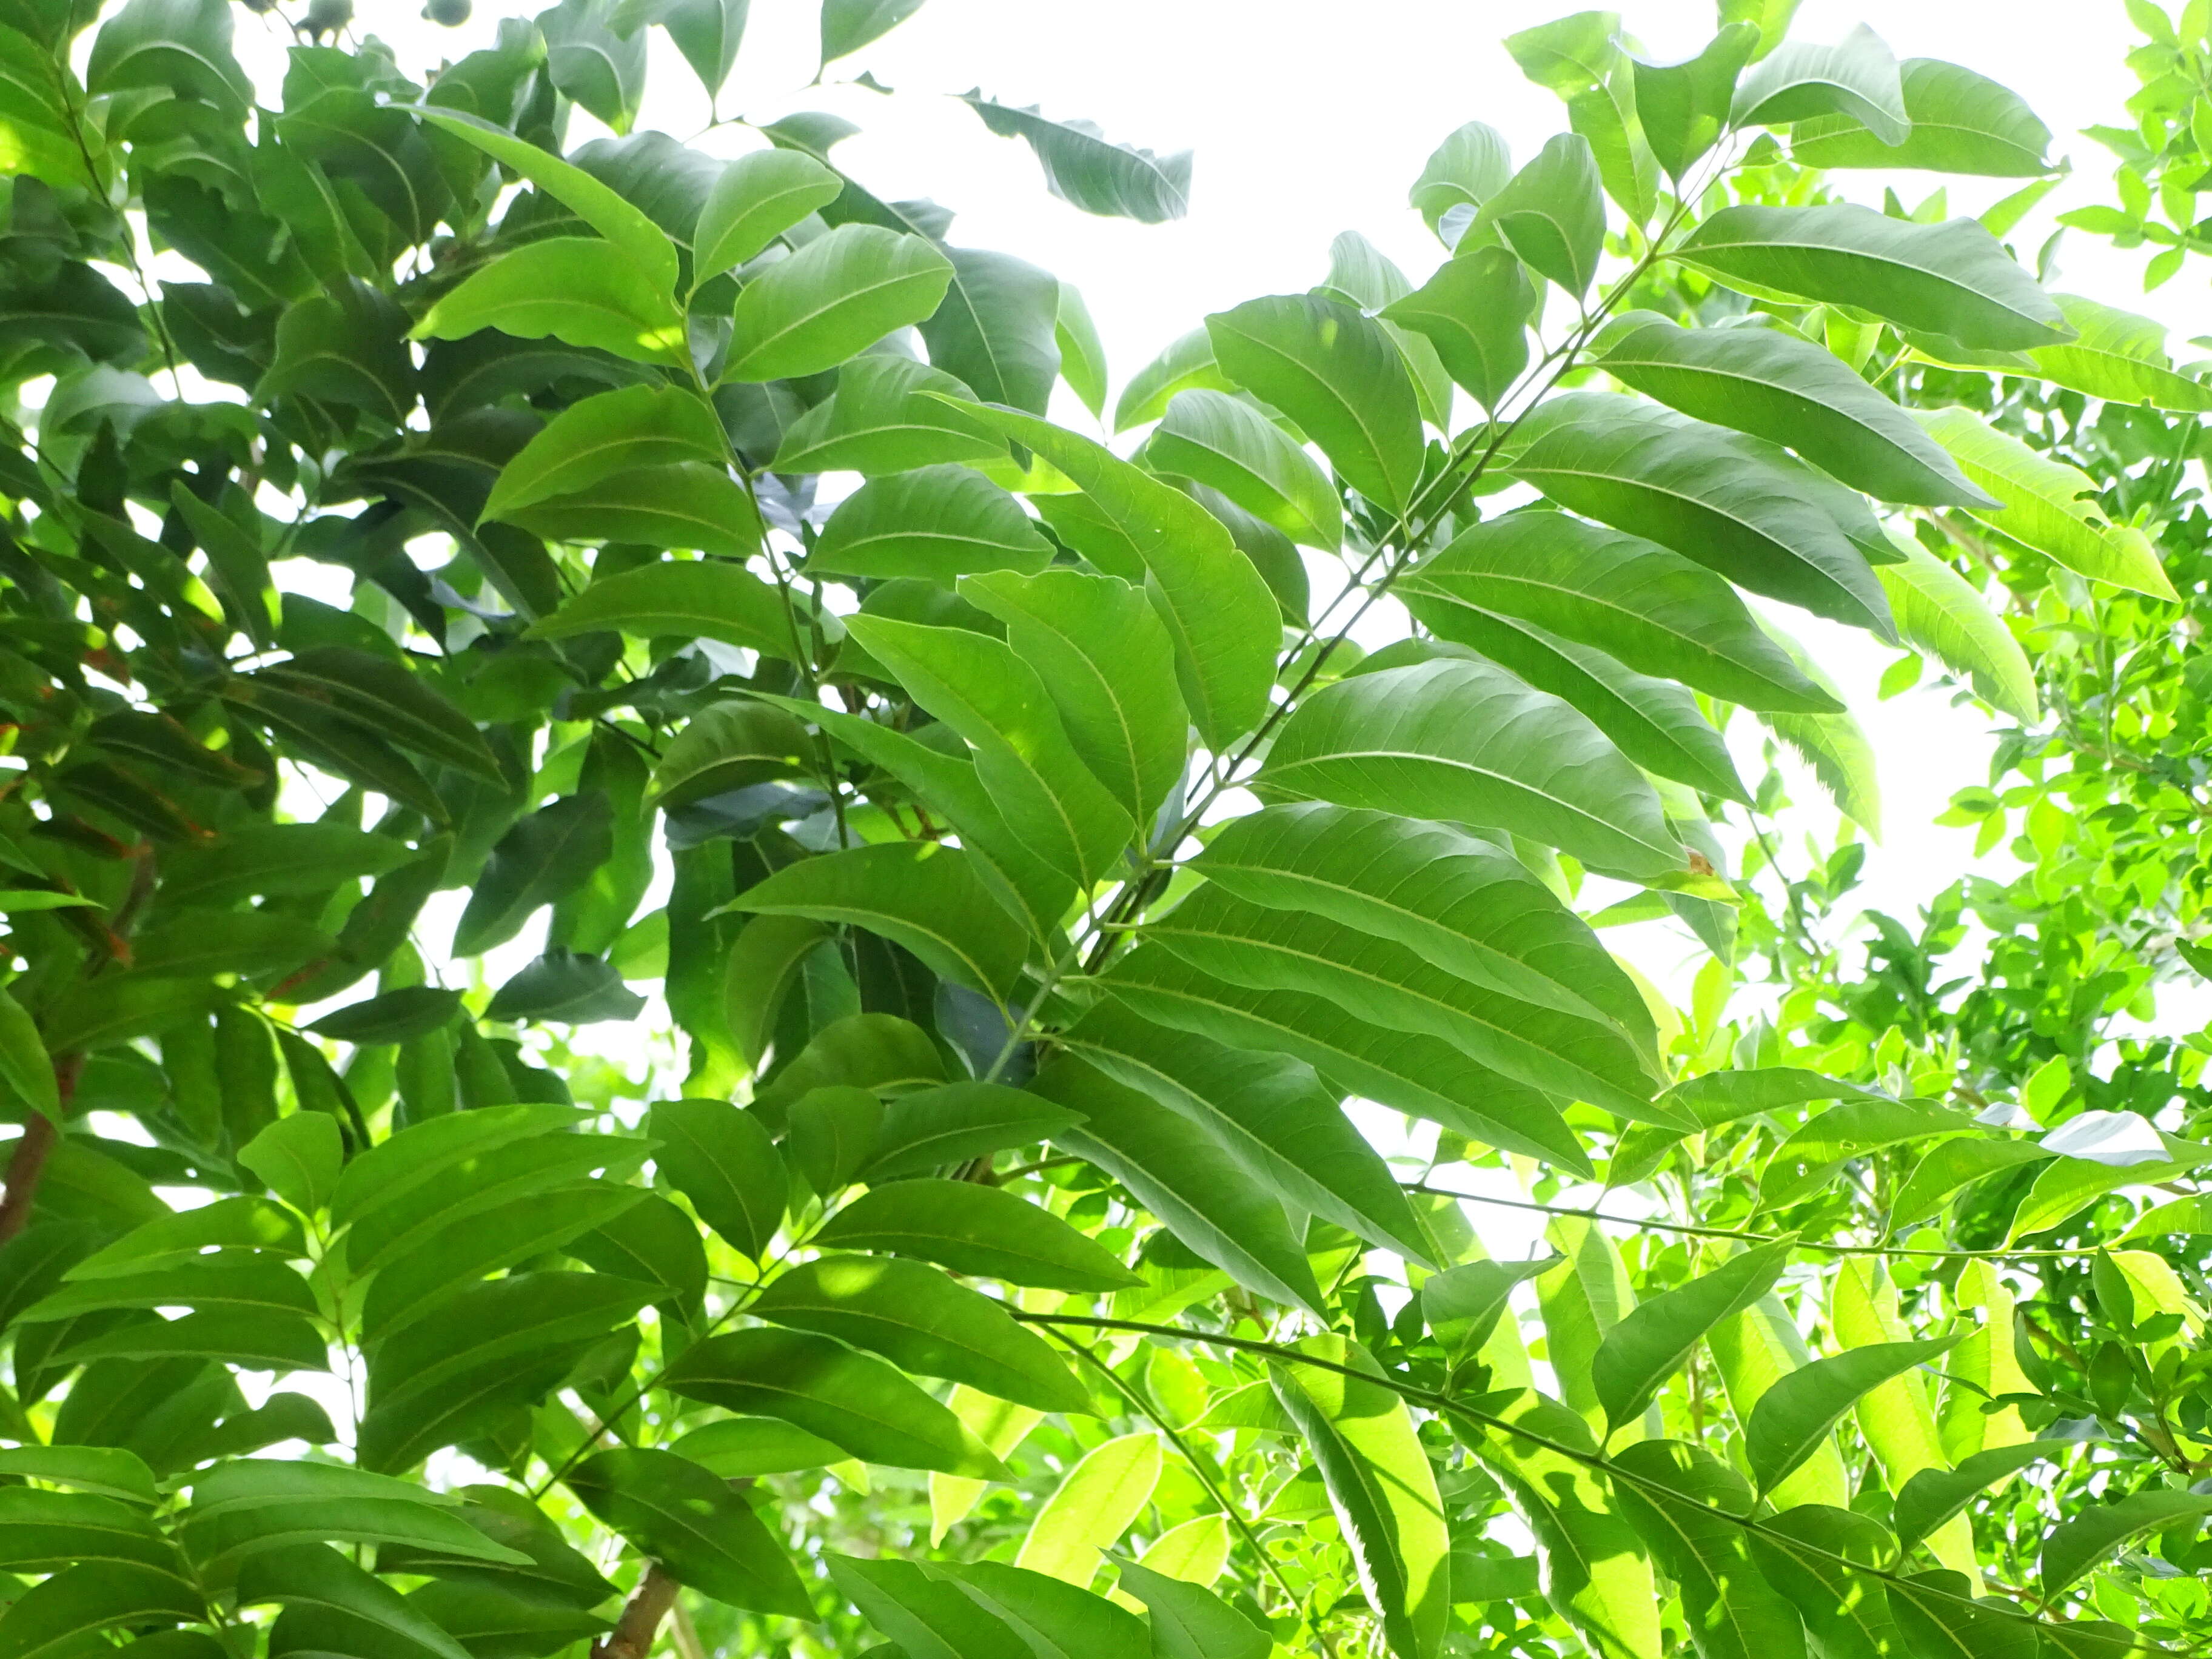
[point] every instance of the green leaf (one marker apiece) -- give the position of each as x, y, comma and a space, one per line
832, 1134
1552, 213
1082, 353
642, 244
1795, 1416
2049, 507
918, 1318
1463, 741
1190, 1621
719, 1156
1934, 1496
1462, 172
638, 426
331, 1604
1857, 78
1953, 279
1223, 441
1961, 122
981, 1230
1684, 107
2062, 1188
1187, 362
1568, 54
933, 1128
1950, 1165
848, 25
880, 421
938, 523
700, 599
245, 1506
106, 1471
567, 289
1093, 1505
1712, 495
1181, 1175
1732, 1612
545, 856
1775, 386
1810, 1154
1378, 979
1272, 1115
1657, 724
1596, 1573
691, 1522
346, 346
728, 746
55, 1616
925, 896
27, 1074
654, 1243
855, 1402
1809, 1553
995, 700
231, 1280
998, 329
1215, 605
2075, 1545
1658, 612
2115, 354
1339, 376
1415, 1073
928, 1616
1057, 1620
1107, 662
276, 860
394, 1017
1938, 1613
458, 1369
686, 504
1655, 1338
1380, 1487
563, 985
835, 295
1083, 169
1938, 611
297, 1157
1463, 1305
754, 200
49, 1531
1475, 310
736, 1448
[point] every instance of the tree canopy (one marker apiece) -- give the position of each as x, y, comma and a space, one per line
706, 944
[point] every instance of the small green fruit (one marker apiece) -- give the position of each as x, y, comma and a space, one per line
449, 13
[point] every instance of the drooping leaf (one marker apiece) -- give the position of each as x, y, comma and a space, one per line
1224, 442
693, 1524
720, 1157
1215, 605
1463, 741
568, 288
1091, 1507
971, 1229
1640, 1353
1961, 122
1338, 374
1709, 495
1952, 279
1684, 107
1775, 386
1082, 168
1382, 1489
1857, 78
1552, 213
834, 297
848, 1399
1795, 1416
1475, 310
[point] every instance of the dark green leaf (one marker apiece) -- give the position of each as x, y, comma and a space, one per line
972, 1229
693, 1523
719, 1156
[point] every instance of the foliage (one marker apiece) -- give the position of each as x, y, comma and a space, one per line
1093, 974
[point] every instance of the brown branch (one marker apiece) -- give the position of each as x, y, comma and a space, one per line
633, 1635
29, 1161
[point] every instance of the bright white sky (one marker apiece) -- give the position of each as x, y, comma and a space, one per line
1309, 119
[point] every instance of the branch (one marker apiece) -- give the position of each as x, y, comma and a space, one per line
633, 1634
29, 1161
